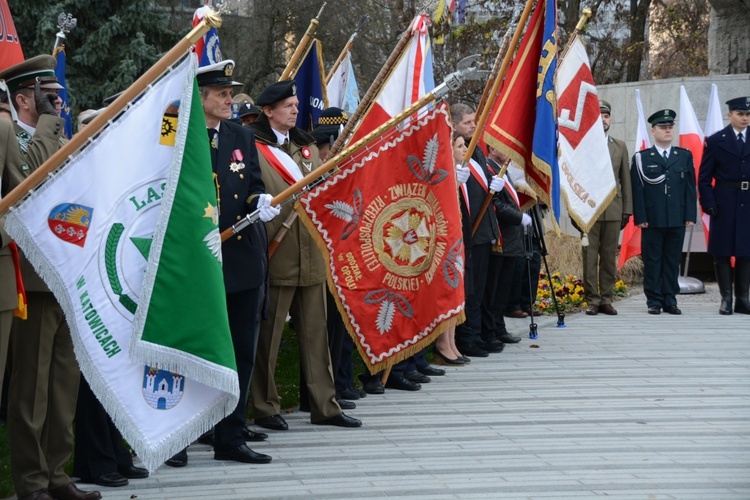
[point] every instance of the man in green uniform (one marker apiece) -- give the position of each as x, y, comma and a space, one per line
45, 374
297, 271
664, 204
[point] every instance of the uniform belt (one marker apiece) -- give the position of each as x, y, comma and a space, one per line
744, 185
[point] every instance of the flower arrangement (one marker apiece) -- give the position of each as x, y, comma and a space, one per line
568, 290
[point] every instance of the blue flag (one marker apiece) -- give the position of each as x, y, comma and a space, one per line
544, 145
310, 80
63, 93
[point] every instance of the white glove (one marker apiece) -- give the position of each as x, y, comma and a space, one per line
497, 184
462, 174
267, 212
525, 220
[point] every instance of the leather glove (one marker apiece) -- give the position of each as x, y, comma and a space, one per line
712, 211
267, 212
497, 184
625, 220
45, 101
525, 220
462, 174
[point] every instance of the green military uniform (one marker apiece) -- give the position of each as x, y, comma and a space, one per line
44, 376
600, 256
664, 197
297, 276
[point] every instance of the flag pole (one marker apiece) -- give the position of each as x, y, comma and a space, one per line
347, 47
488, 199
495, 69
291, 67
452, 82
212, 20
65, 23
493, 95
363, 105
576, 33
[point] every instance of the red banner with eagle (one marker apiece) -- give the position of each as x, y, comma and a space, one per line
389, 225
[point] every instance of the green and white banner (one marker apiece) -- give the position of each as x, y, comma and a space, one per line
126, 236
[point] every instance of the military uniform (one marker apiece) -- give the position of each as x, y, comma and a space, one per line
664, 197
45, 374
297, 276
724, 185
600, 256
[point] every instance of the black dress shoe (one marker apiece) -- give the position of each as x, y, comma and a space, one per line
371, 385
349, 393
242, 454
472, 350
133, 472
431, 371
111, 480
417, 377
180, 459
654, 310
71, 492
341, 420
401, 383
672, 310
251, 435
465, 359
273, 422
441, 359
491, 346
508, 338
346, 405
361, 392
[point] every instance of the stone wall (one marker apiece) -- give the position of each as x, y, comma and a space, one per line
728, 40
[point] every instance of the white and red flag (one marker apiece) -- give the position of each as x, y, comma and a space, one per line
410, 79
631, 235
714, 123
587, 180
692, 138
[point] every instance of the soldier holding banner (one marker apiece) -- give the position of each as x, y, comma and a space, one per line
44, 377
297, 273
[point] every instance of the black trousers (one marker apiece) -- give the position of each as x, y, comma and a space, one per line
469, 331
503, 279
98, 443
244, 324
661, 249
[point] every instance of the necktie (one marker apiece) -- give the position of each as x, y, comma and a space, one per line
741, 141
664, 154
212, 135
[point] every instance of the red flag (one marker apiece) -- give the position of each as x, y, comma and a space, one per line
631, 235
393, 242
10, 47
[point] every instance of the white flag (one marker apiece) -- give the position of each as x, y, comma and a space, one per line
586, 178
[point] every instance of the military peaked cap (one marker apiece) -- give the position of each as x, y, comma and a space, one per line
217, 75
662, 117
604, 106
739, 104
277, 92
25, 74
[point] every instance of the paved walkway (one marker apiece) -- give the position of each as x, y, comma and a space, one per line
627, 407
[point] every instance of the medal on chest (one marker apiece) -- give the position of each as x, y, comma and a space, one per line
236, 164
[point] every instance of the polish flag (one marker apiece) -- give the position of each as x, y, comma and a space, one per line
410, 79
714, 123
631, 235
692, 138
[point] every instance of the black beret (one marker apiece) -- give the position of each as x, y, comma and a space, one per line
277, 92
217, 75
739, 104
662, 117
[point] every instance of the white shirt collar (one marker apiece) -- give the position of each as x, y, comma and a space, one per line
27, 128
280, 137
743, 132
661, 150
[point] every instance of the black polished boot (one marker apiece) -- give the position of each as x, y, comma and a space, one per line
724, 276
741, 285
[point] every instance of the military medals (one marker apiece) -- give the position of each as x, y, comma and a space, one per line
237, 158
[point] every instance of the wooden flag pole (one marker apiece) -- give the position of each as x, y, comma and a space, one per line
488, 199
347, 47
493, 95
211, 20
291, 67
576, 32
363, 106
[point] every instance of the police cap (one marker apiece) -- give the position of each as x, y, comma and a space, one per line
217, 75
662, 117
277, 92
25, 74
329, 125
739, 104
